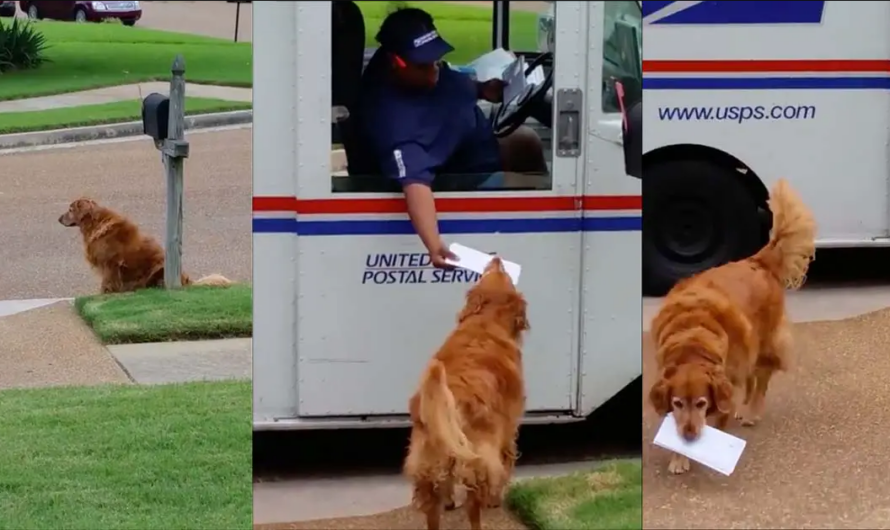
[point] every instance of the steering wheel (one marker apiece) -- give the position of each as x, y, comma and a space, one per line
506, 118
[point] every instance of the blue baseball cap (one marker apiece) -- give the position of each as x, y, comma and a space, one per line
415, 41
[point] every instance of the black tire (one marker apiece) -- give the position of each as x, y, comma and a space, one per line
696, 215
129, 22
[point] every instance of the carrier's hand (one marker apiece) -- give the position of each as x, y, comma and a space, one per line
439, 254
492, 90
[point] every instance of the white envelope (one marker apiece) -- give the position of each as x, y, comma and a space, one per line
476, 261
714, 448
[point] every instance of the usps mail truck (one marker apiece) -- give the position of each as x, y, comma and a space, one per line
739, 94
348, 310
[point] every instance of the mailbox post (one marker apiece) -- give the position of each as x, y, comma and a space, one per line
163, 119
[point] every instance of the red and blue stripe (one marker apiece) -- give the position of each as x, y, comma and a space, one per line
470, 215
795, 74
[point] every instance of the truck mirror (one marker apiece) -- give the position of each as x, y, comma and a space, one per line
155, 116
633, 141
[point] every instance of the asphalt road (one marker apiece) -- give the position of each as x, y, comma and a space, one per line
43, 259
212, 19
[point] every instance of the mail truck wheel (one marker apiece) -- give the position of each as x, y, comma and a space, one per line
696, 215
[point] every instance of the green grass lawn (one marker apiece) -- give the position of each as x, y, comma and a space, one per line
467, 28
607, 497
127, 457
119, 111
158, 315
85, 56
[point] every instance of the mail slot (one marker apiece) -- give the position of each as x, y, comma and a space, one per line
155, 115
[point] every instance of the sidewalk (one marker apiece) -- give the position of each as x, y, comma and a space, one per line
180, 362
51, 346
123, 93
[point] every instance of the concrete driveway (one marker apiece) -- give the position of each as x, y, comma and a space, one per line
819, 458
43, 259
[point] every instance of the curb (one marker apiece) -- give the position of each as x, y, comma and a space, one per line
117, 130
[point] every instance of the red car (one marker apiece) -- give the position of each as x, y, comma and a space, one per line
127, 11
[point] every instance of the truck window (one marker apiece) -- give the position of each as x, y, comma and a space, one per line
382, 134
531, 27
622, 53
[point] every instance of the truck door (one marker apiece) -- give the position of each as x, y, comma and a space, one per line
371, 311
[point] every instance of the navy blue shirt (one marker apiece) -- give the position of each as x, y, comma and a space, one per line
418, 135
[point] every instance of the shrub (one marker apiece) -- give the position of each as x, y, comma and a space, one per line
22, 47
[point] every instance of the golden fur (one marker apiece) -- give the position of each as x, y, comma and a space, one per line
726, 328
466, 412
125, 258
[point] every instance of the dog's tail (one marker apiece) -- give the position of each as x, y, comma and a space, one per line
791, 245
215, 280
439, 413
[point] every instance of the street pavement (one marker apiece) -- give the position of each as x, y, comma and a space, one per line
211, 19
43, 259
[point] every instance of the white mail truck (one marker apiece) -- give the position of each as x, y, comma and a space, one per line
739, 94
347, 309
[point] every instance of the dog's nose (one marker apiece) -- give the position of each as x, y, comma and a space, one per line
689, 434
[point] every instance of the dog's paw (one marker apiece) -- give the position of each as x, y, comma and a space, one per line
746, 418
494, 502
749, 421
678, 465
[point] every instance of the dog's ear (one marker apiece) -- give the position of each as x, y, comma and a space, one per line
721, 391
519, 307
473, 305
83, 208
660, 393
659, 396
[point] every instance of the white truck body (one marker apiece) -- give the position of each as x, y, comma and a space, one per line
794, 90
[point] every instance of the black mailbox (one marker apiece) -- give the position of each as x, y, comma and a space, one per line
155, 115
633, 141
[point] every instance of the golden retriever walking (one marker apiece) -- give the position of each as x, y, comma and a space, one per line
125, 258
467, 410
726, 328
